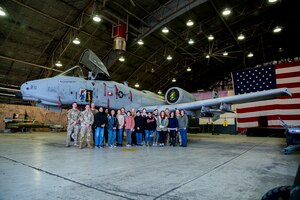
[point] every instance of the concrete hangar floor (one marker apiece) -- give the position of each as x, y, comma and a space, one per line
39, 166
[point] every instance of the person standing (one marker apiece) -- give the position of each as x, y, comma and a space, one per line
183, 122
94, 111
112, 124
86, 119
150, 127
172, 128
156, 134
121, 122
139, 128
73, 124
100, 123
178, 115
162, 127
105, 130
133, 133
129, 127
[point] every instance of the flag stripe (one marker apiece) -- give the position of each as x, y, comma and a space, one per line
287, 70
287, 65
270, 123
287, 80
269, 112
288, 75
289, 85
268, 107
270, 117
269, 102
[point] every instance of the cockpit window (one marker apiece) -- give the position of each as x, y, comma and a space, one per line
76, 71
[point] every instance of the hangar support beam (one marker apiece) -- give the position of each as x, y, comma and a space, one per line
167, 13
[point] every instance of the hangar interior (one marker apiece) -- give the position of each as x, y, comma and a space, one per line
151, 45
36, 35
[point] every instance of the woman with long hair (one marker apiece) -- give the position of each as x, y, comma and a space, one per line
162, 127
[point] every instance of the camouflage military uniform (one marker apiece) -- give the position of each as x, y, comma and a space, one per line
73, 125
87, 120
94, 111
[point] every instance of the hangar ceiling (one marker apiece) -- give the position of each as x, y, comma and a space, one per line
36, 34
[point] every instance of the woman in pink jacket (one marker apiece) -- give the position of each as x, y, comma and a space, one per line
129, 127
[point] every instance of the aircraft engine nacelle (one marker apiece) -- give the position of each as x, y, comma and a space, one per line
177, 95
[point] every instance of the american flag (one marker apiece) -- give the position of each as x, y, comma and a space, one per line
265, 78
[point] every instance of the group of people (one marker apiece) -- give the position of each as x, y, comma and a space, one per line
141, 127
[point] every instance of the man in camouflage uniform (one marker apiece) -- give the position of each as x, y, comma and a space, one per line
73, 124
87, 119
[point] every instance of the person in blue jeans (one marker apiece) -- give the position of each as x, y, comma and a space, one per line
150, 127
112, 124
183, 124
139, 128
121, 122
100, 123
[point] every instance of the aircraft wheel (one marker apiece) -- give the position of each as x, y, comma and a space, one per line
278, 193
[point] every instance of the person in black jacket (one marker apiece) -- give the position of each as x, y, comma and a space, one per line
100, 123
139, 128
173, 128
150, 128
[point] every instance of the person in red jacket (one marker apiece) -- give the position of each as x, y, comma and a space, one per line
129, 127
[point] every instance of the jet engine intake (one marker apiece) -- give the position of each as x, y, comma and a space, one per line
176, 95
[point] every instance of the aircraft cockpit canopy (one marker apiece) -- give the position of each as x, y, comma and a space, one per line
76, 71
94, 65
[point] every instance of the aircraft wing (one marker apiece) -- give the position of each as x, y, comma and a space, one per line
223, 102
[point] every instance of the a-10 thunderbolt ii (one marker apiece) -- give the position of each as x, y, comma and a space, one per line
90, 81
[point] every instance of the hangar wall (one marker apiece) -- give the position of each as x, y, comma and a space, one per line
39, 114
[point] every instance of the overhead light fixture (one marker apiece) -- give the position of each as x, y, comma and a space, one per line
96, 18
250, 54
277, 29
169, 57
226, 12
140, 42
207, 56
137, 85
188, 69
122, 59
159, 92
225, 53
58, 64
2, 11
76, 41
190, 23
241, 37
191, 41
272, 1
174, 80
211, 37
165, 30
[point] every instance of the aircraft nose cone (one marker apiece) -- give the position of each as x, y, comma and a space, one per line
24, 87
